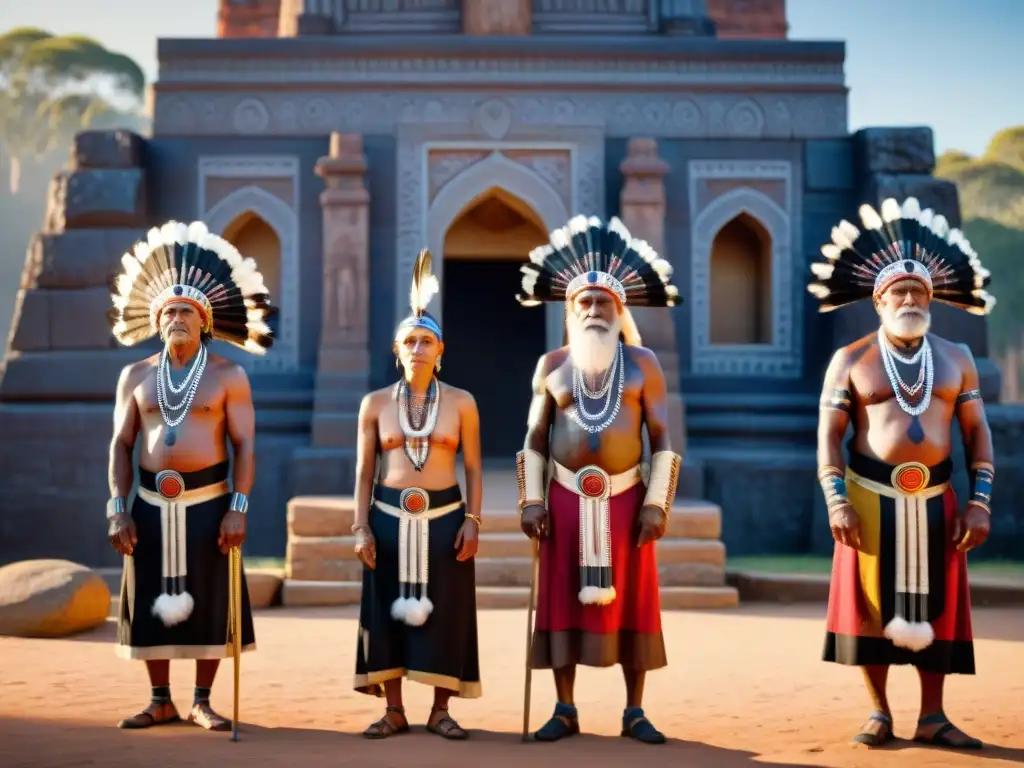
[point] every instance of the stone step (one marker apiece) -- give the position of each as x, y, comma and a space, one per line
336, 593
334, 515
501, 572
503, 545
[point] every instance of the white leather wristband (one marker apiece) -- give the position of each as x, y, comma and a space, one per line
661, 489
530, 478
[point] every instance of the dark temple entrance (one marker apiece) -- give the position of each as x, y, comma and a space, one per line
492, 344
491, 348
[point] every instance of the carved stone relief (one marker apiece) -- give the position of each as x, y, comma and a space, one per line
246, 173
720, 191
660, 115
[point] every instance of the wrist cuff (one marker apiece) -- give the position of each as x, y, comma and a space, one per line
116, 507
530, 478
661, 489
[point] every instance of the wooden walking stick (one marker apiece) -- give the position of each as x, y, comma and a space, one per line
529, 638
235, 626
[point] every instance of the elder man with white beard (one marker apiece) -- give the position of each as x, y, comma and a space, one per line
899, 592
582, 491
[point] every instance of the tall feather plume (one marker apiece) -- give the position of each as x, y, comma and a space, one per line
202, 267
424, 284
854, 258
586, 244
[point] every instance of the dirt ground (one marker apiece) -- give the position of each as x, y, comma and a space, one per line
744, 688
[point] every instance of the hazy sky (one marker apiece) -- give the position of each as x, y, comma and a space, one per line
951, 64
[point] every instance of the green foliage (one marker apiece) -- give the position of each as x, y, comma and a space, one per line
53, 86
991, 190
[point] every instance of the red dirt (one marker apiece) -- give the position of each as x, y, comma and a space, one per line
744, 687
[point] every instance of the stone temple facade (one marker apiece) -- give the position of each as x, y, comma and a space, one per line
366, 130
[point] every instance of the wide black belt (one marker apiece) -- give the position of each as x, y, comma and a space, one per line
908, 477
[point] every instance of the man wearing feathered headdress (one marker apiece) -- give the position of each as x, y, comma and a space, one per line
187, 286
415, 532
899, 592
582, 492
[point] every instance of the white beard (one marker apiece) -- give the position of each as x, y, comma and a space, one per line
592, 350
909, 324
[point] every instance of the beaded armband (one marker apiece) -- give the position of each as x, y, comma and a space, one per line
529, 478
239, 503
983, 475
661, 489
116, 507
966, 397
834, 485
838, 400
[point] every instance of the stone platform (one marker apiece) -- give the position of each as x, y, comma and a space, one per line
322, 569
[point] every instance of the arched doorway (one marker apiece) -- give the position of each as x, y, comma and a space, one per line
255, 238
741, 283
492, 344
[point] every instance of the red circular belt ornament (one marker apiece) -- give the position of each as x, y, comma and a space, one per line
414, 501
170, 484
592, 483
911, 477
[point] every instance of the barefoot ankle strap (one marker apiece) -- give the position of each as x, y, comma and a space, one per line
161, 694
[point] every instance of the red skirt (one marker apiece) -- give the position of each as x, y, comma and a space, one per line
863, 597
628, 630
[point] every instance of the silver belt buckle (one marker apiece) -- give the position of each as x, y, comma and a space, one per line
414, 501
170, 484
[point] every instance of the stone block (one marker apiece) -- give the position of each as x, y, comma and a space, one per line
766, 501
30, 326
82, 258
78, 319
71, 375
497, 17
51, 598
895, 150
938, 194
101, 198
828, 165
106, 149
264, 587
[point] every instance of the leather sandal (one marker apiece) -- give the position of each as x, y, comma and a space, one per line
941, 736
873, 739
564, 722
384, 727
146, 719
446, 726
204, 716
635, 725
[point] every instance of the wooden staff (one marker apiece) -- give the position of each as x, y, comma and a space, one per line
235, 626
534, 578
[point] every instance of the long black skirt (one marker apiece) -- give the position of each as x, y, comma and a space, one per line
443, 651
204, 634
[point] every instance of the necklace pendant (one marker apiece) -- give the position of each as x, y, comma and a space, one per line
916, 431
170, 438
594, 441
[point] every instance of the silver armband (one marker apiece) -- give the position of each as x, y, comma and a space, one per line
239, 503
116, 507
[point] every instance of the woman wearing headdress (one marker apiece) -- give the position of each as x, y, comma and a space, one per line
415, 532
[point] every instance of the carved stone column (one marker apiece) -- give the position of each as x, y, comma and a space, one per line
497, 17
642, 206
343, 366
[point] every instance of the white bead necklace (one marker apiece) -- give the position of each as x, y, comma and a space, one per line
161, 395
927, 376
578, 410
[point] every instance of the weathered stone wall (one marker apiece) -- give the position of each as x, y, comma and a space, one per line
61, 365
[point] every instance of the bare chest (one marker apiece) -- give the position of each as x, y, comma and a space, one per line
873, 384
445, 433
208, 401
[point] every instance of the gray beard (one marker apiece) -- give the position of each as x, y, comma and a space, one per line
909, 326
592, 351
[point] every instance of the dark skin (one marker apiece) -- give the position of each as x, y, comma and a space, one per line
458, 423
222, 410
551, 433
881, 431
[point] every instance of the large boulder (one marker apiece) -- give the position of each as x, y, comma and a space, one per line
51, 598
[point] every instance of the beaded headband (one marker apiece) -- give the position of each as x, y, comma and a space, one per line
595, 279
176, 294
908, 269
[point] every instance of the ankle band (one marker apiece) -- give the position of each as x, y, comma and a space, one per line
161, 694
201, 696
